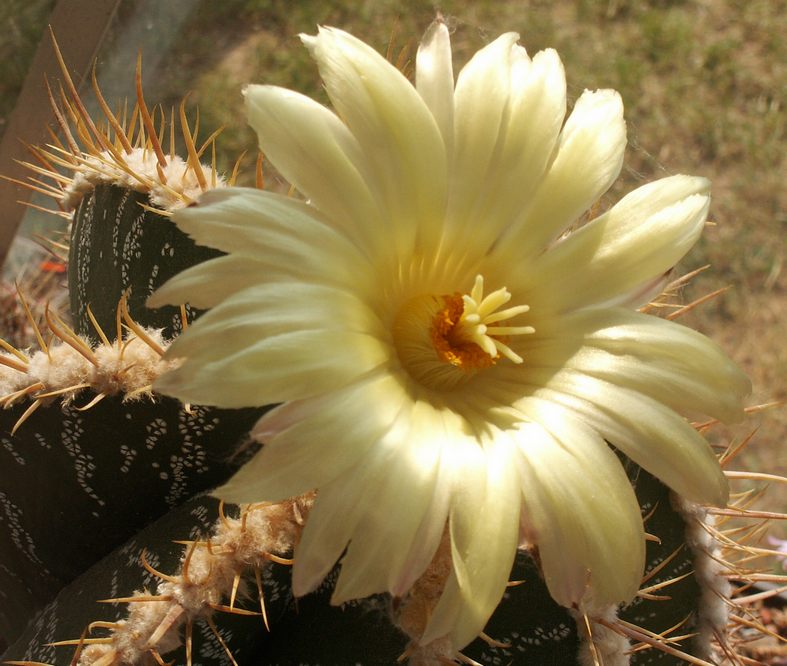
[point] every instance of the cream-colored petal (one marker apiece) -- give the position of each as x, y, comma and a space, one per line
588, 160
268, 310
206, 284
664, 360
289, 366
288, 237
649, 433
308, 443
484, 526
639, 239
381, 543
404, 160
332, 520
528, 135
481, 108
316, 152
434, 78
581, 512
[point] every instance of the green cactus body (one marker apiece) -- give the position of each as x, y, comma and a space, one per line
529, 626
120, 248
77, 484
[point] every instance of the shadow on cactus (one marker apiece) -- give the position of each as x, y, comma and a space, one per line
91, 454
111, 553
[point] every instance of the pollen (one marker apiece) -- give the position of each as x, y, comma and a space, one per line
443, 340
467, 334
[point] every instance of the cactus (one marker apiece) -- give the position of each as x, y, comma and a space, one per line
102, 482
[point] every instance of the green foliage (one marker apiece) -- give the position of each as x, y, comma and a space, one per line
23, 24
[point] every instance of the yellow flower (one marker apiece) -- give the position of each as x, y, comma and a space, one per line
445, 352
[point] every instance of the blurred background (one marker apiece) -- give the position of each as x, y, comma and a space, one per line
703, 82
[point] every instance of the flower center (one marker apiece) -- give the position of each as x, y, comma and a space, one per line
444, 340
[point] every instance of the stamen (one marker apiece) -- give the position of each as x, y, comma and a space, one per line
443, 340
480, 311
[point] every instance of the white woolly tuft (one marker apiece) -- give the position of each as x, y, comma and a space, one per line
181, 182
206, 578
611, 649
713, 612
129, 372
